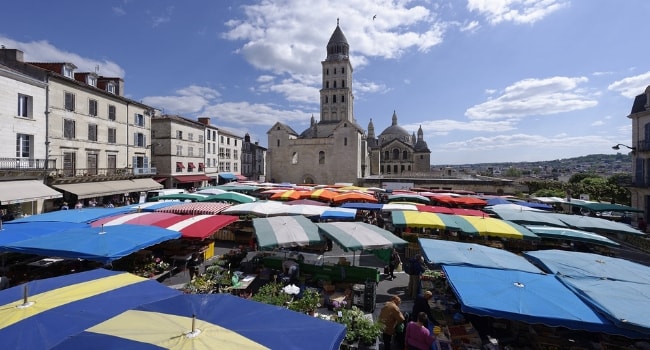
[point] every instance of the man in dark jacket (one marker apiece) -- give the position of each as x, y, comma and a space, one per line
421, 304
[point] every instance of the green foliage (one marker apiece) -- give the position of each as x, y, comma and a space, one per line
360, 328
271, 293
309, 301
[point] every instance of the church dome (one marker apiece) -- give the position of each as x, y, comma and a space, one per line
395, 132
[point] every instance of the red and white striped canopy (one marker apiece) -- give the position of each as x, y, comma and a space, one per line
190, 226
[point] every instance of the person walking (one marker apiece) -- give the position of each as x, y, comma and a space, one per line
193, 266
391, 316
416, 269
418, 336
393, 263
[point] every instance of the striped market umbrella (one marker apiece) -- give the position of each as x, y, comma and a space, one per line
323, 194
491, 227
290, 195
285, 231
354, 197
417, 219
360, 236
196, 208
230, 197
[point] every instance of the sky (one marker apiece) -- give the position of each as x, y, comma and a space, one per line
487, 80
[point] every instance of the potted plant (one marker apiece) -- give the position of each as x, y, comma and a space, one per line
308, 302
360, 329
272, 294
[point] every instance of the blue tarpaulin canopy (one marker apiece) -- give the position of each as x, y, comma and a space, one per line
471, 254
14, 232
528, 297
84, 215
362, 206
618, 288
103, 244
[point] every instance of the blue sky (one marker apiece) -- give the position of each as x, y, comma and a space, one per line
488, 80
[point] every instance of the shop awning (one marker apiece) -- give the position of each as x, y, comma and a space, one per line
107, 188
191, 178
241, 177
227, 176
25, 191
190, 165
180, 165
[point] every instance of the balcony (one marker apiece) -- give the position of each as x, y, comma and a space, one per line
98, 174
26, 164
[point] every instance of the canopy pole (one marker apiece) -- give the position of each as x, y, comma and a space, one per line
25, 294
193, 323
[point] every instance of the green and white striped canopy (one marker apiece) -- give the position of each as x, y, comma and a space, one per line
359, 236
285, 231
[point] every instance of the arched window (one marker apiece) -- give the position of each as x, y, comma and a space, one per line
405, 155
343, 70
342, 98
395, 169
386, 155
326, 99
278, 142
327, 71
334, 99
343, 83
321, 157
327, 84
294, 158
396, 154
335, 84
402, 169
345, 141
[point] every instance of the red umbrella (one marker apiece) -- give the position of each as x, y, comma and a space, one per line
197, 226
435, 209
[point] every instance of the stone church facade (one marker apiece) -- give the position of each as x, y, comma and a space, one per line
336, 149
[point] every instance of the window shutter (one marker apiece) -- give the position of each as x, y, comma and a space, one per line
145, 162
135, 138
134, 163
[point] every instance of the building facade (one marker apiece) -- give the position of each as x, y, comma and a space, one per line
93, 133
178, 152
229, 152
640, 116
253, 160
332, 150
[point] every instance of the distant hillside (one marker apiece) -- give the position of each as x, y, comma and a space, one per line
557, 163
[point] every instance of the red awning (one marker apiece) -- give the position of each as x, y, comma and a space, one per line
180, 165
241, 177
191, 178
201, 166
159, 179
143, 218
196, 208
190, 165
197, 226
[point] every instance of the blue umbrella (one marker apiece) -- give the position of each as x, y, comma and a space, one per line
210, 321
60, 307
103, 244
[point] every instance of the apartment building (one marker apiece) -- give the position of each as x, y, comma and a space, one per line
178, 152
224, 153
95, 144
640, 149
253, 160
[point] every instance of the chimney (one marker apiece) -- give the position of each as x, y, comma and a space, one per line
204, 120
11, 55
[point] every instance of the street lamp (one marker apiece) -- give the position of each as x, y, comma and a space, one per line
618, 146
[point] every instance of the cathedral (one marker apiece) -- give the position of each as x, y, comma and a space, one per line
336, 149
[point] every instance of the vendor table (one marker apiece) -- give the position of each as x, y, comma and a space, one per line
244, 282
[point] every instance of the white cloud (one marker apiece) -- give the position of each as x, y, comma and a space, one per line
470, 27
534, 97
631, 86
247, 114
598, 123
189, 100
119, 11
526, 141
447, 126
43, 51
165, 17
517, 11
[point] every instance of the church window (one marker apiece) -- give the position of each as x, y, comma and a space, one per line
327, 71
278, 128
386, 155
405, 155
421, 156
345, 125
342, 98
334, 70
395, 169
335, 84
343, 70
402, 170
345, 141
396, 154
334, 99
294, 158
326, 99
409, 168
327, 84
343, 83
278, 142
321, 157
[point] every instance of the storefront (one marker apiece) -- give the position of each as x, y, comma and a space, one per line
115, 192
24, 197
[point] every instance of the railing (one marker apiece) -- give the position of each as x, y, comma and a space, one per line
27, 163
104, 172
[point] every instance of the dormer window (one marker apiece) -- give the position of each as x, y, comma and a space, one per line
91, 80
68, 71
110, 87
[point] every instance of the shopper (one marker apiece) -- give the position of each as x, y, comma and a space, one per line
391, 316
